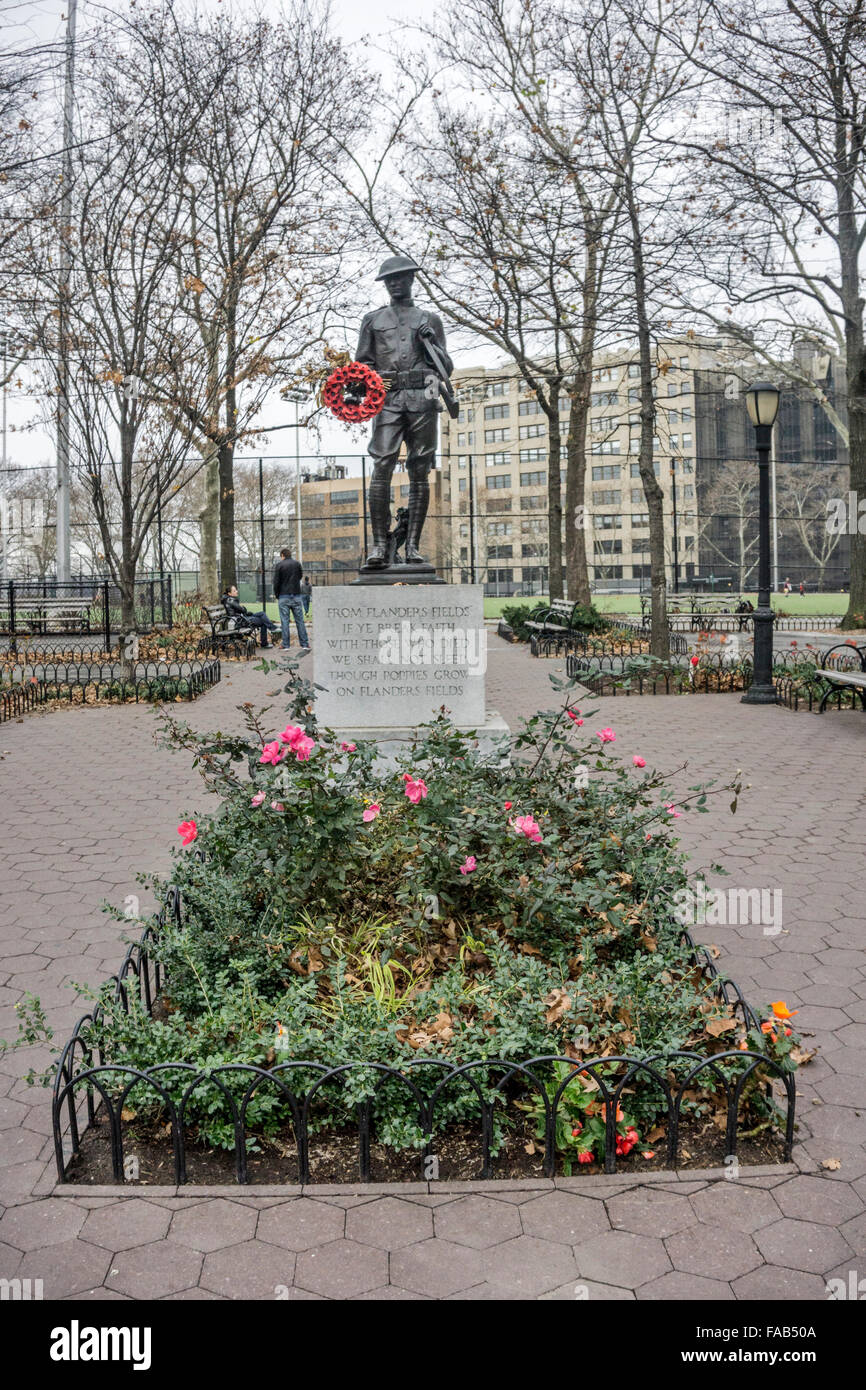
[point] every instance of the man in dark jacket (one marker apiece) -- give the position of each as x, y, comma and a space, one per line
288, 574
235, 609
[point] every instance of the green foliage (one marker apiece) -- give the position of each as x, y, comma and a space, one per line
312, 935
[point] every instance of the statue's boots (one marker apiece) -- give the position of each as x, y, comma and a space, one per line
419, 500
379, 497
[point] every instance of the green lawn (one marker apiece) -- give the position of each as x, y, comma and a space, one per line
807, 606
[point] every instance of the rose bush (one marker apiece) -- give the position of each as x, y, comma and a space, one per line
336, 910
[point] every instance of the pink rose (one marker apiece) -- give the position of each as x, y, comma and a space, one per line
272, 753
695, 660
469, 865
257, 799
348, 747
639, 762
277, 806
573, 713
669, 806
371, 813
303, 747
525, 825
606, 735
416, 789
187, 830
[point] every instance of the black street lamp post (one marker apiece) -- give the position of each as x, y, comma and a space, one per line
762, 401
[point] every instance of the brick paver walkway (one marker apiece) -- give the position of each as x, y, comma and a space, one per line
89, 800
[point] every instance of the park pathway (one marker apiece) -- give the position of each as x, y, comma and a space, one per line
89, 799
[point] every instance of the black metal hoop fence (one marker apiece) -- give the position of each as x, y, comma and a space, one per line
86, 1084
75, 682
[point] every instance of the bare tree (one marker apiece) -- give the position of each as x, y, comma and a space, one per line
260, 266
788, 175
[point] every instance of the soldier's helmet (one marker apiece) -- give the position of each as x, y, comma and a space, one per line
394, 265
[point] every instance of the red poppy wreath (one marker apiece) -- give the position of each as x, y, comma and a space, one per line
355, 376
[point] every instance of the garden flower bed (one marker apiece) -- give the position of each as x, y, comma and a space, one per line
459, 968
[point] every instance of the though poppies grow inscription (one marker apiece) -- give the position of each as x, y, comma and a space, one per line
391, 657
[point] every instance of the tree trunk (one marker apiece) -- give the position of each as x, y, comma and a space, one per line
855, 615
228, 571
554, 502
659, 635
577, 574
209, 517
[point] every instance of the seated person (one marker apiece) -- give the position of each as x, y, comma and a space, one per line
235, 609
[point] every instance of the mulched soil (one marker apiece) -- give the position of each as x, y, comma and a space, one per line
334, 1157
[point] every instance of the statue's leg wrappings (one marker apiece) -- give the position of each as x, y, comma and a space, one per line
383, 449
421, 457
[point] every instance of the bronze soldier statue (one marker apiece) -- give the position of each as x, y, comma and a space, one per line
406, 346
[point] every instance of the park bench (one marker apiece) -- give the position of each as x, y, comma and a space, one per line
848, 679
556, 628
228, 632
43, 615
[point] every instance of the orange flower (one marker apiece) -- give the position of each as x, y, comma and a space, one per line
619, 1114
781, 1010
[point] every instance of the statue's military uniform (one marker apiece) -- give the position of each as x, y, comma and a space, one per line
389, 342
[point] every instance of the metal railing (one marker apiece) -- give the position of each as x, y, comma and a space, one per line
427, 1081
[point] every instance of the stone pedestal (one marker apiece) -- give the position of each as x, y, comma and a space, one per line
389, 657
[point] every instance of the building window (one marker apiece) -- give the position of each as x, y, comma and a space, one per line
532, 431
604, 398
607, 497
684, 363
346, 519
404, 489
687, 441
608, 522
608, 547
496, 388
602, 374
634, 369
497, 412
498, 460
462, 460
672, 388
603, 471
529, 408
499, 528
536, 479
605, 446
309, 522
497, 436
534, 503
344, 543
500, 552
339, 498
533, 455
639, 518
634, 395
314, 542
461, 484
686, 413
466, 415
500, 480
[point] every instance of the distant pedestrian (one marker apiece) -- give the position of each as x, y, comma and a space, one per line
287, 591
802, 588
307, 595
786, 587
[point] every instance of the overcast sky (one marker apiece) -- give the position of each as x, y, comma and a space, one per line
369, 27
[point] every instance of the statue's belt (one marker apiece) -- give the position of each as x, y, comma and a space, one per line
408, 381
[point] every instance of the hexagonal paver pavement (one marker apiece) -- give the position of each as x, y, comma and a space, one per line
477, 1222
775, 1237
125, 1224
301, 1224
341, 1269
621, 1257
211, 1224
389, 1223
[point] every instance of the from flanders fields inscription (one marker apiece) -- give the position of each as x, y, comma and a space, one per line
391, 657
